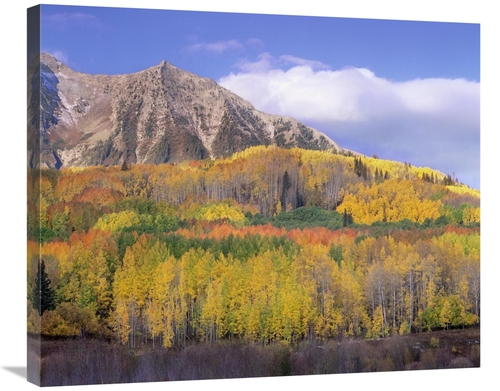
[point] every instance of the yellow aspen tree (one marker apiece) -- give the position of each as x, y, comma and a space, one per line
377, 325
377, 294
354, 311
394, 293
238, 296
213, 315
411, 267
121, 306
160, 310
445, 313
262, 290
430, 274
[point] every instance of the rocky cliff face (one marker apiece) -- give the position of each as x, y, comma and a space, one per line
162, 114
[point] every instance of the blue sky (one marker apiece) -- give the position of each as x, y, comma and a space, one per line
403, 90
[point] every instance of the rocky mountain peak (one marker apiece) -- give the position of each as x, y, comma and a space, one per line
162, 114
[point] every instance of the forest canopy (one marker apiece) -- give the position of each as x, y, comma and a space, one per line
267, 245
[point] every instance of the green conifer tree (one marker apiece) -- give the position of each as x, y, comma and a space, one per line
43, 294
287, 183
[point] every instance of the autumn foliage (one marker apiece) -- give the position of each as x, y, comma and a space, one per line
269, 245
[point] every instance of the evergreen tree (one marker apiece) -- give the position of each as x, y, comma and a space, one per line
447, 181
364, 171
43, 294
358, 166
361, 169
347, 220
287, 183
336, 254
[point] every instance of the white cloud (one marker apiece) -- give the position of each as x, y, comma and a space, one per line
255, 42
265, 63
310, 95
301, 61
216, 47
432, 122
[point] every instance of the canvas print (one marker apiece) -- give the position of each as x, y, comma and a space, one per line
220, 195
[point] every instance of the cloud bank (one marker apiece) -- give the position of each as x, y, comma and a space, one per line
427, 122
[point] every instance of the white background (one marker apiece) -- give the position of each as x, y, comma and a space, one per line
13, 190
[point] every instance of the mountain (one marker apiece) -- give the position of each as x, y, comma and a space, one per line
162, 114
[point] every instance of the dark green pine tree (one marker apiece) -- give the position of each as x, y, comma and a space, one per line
287, 183
364, 171
357, 166
336, 254
43, 294
347, 220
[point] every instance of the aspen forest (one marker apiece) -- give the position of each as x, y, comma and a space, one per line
268, 250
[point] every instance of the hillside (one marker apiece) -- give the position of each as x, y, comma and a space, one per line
261, 181
267, 248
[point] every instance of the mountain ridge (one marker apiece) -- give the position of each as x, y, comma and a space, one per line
157, 115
